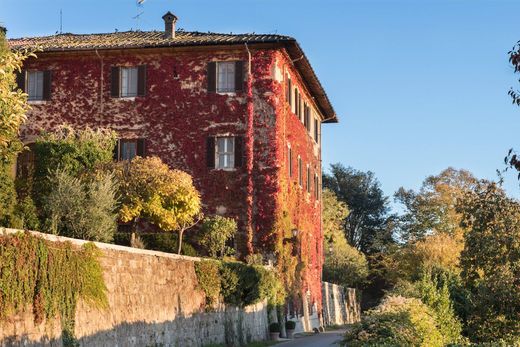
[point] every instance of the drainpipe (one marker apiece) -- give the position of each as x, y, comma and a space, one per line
249, 144
100, 85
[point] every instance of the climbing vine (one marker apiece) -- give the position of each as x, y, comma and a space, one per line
49, 276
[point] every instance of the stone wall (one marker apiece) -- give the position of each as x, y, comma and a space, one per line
340, 305
154, 300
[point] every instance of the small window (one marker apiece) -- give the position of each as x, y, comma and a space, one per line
308, 178
225, 153
128, 149
289, 160
35, 85
129, 80
300, 172
288, 93
225, 76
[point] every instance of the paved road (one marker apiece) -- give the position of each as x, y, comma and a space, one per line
326, 339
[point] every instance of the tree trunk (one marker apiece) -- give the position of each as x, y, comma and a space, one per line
180, 241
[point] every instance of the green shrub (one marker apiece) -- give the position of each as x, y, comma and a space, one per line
274, 327
208, 276
163, 242
397, 321
290, 325
7, 197
81, 208
215, 233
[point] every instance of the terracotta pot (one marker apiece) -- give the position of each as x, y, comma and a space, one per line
275, 336
290, 333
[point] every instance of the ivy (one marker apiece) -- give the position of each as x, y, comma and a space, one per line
49, 276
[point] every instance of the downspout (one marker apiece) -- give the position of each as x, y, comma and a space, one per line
101, 104
249, 144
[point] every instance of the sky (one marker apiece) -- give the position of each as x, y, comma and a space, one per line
418, 85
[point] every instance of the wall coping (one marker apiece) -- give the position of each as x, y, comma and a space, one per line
100, 245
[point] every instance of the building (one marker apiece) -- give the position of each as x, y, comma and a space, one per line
241, 113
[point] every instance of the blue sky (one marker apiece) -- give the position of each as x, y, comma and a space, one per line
418, 85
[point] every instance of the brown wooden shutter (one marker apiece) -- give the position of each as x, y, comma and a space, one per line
20, 80
210, 152
212, 76
296, 103
116, 151
289, 91
239, 151
141, 147
114, 82
47, 85
239, 76
141, 80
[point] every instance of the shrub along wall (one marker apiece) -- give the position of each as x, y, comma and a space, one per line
152, 298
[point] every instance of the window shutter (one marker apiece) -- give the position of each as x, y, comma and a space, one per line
20, 80
212, 76
289, 91
239, 151
210, 152
141, 80
141, 147
46, 85
239, 76
114, 82
116, 151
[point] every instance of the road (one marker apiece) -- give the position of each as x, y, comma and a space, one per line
326, 339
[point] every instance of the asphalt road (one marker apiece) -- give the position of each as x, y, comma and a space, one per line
326, 339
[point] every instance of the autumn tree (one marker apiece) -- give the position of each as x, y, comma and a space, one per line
367, 225
150, 190
344, 264
432, 209
490, 264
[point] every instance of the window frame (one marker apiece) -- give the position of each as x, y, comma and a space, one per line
122, 71
228, 152
300, 172
308, 179
233, 77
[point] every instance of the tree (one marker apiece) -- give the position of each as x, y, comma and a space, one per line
151, 190
433, 208
216, 231
81, 207
13, 106
344, 265
514, 59
366, 227
490, 263
13, 102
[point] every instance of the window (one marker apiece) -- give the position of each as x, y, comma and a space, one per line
307, 117
308, 178
225, 153
316, 186
300, 172
289, 158
35, 85
225, 77
296, 102
128, 149
128, 82
316, 130
288, 92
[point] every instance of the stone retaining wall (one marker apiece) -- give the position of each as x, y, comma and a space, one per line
154, 300
340, 305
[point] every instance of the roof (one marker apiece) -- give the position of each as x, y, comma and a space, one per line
156, 39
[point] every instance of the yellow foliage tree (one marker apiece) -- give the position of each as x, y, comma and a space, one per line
164, 197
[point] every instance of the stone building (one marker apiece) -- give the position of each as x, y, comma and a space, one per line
241, 113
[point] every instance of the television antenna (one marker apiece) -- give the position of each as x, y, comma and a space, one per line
137, 17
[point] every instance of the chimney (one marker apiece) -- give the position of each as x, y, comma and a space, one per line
169, 25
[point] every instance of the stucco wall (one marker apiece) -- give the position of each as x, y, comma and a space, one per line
340, 305
153, 300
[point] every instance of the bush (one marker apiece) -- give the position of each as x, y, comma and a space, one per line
208, 276
290, 325
81, 208
274, 327
215, 233
397, 321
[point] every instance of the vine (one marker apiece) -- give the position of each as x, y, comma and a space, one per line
49, 276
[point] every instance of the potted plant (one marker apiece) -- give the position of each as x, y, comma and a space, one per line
290, 325
274, 330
